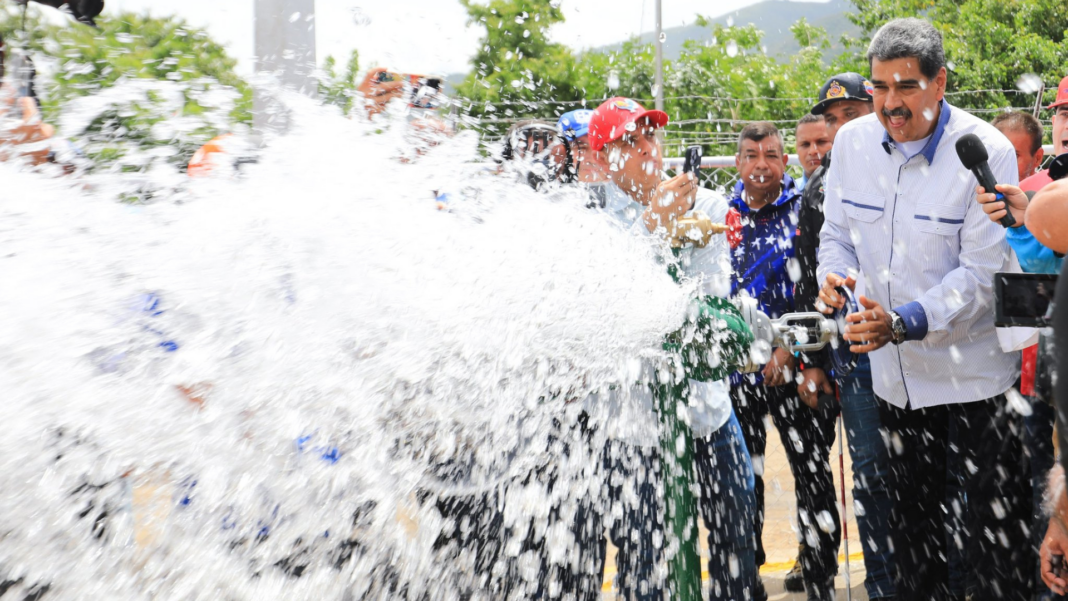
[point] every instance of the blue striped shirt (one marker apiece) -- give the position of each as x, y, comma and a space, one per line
925, 249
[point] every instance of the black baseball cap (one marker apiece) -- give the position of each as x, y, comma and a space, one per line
844, 86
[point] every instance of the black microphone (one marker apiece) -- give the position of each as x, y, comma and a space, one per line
974, 157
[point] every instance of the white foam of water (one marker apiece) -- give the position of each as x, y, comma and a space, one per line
342, 334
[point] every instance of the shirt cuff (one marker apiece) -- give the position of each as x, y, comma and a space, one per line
915, 320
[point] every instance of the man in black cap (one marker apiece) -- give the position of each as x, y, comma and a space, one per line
842, 98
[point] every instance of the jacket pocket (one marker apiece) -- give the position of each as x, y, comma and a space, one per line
945, 220
863, 206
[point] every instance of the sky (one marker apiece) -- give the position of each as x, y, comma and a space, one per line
421, 36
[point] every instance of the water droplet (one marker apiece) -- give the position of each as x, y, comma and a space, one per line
663, 37
732, 48
517, 83
730, 21
1029, 83
928, 114
294, 17
526, 33
655, 90
951, 65
613, 80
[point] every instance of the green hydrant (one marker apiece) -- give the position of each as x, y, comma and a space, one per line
708, 347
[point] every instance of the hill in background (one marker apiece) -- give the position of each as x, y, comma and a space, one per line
773, 17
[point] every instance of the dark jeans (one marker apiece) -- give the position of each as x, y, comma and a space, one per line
806, 436
728, 506
871, 468
997, 482
633, 519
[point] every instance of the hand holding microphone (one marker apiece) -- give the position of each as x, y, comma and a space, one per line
974, 157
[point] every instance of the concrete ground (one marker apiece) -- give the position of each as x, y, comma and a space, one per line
780, 529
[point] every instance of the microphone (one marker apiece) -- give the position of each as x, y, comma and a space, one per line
974, 157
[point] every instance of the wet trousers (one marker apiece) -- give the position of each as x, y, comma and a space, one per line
989, 443
807, 436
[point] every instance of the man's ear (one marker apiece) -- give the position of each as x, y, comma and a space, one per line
738, 161
940, 83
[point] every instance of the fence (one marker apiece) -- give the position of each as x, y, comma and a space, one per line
719, 173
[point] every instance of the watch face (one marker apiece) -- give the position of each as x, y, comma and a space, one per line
898, 325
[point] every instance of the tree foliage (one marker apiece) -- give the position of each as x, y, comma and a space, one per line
989, 44
516, 64
339, 89
714, 87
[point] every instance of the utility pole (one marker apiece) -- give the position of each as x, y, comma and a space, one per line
285, 48
659, 58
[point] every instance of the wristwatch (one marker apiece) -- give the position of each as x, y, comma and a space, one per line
897, 327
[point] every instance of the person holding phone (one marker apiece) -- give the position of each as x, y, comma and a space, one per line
379, 87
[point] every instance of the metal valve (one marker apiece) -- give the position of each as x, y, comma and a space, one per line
695, 230
799, 332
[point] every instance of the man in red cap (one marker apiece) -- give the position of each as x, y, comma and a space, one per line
623, 138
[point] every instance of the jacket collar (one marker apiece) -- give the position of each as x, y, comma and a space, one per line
928, 151
789, 191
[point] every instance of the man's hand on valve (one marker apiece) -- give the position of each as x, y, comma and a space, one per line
673, 198
870, 328
779, 369
813, 382
829, 299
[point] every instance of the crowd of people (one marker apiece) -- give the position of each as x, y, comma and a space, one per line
949, 425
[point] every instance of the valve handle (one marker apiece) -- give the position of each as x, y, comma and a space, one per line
843, 359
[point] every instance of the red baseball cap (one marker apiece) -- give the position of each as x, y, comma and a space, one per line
617, 116
1062, 94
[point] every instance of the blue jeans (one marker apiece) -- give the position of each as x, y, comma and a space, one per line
860, 414
727, 504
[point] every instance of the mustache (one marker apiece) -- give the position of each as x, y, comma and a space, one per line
902, 111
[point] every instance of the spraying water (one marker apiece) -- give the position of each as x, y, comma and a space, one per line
256, 388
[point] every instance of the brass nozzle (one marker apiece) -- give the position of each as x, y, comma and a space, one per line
694, 230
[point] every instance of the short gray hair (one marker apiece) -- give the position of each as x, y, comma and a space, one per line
909, 38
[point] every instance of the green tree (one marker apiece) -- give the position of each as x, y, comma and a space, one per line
339, 89
989, 44
131, 46
517, 68
137, 92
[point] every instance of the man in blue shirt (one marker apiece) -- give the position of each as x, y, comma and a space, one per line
900, 210
763, 221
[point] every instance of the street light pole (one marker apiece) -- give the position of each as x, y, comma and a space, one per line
659, 58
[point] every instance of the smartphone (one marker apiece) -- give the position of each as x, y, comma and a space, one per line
388, 76
692, 162
1023, 299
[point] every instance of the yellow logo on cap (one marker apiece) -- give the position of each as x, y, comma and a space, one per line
836, 90
627, 104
